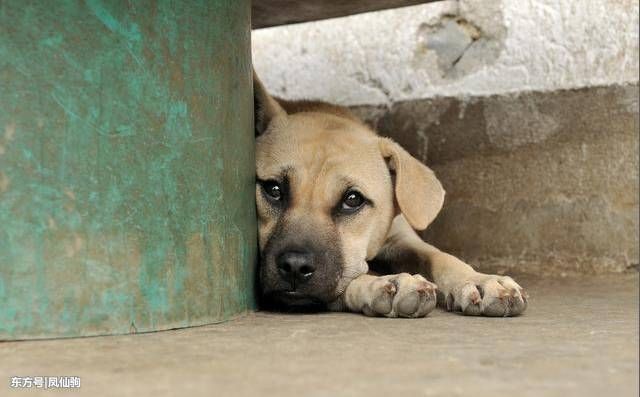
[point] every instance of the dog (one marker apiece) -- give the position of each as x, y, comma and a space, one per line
338, 209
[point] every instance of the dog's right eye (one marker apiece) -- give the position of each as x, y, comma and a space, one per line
272, 189
352, 202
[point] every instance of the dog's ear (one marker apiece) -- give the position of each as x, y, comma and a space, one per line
266, 108
418, 192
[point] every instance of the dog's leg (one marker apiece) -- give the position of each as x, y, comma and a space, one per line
460, 287
397, 295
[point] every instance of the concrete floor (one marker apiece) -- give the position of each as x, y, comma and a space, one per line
579, 337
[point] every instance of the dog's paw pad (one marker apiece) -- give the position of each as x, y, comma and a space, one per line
415, 297
494, 296
400, 295
382, 292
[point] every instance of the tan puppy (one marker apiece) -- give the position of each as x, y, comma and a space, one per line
336, 202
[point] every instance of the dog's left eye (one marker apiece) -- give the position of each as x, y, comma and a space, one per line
273, 189
352, 201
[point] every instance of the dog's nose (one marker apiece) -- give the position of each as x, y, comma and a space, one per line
295, 266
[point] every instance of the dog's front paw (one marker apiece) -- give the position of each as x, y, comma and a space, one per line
488, 295
400, 295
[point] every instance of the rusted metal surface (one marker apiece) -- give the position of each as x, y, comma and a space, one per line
266, 13
126, 166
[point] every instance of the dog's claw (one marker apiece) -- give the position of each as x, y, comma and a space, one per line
475, 297
390, 288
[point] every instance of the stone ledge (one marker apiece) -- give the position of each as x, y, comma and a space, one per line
266, 13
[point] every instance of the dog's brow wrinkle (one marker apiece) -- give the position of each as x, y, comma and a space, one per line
349, 183
278, 174
286, 171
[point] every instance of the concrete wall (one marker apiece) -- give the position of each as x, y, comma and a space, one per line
526, 110
452, 48
546, 181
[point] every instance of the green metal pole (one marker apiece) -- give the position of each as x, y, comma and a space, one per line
126, 166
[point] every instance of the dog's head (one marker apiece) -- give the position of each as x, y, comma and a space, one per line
327, 190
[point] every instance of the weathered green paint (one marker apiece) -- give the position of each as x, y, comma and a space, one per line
126, 165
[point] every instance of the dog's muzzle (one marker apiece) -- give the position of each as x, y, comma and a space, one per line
299, 272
